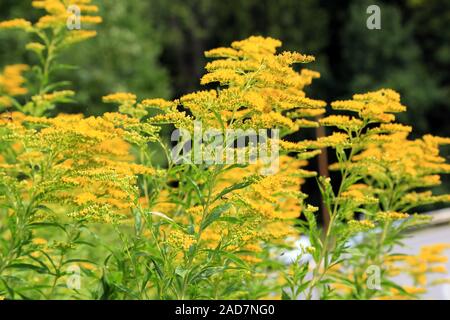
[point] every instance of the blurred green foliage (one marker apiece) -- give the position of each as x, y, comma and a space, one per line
389, 58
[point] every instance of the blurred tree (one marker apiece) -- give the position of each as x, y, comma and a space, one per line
191, 27
430, 20
389, 57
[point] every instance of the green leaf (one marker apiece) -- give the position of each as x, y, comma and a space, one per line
197, 190
62, 66
215, 214
27, 266
46, 225
232, 188
57, 85
158, 269
181, 271
137, 223
233, 257
232, 220
78, 260
285, 296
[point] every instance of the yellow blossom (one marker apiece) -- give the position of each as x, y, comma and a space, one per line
360, 225
16, 24
12, 80
120, 98
389, 216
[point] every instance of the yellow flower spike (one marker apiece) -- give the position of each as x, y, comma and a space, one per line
360, 225
375, 106
16, 24
5, 102
84, 198
12, 80
394, 127
232, 65
76, 36
388, 154
35, 46
40, 241
358, 197
57, 15
91, 19
157, 103
223, 52
348, 105
257, 44
224, 77
289, 58
390, 216
180, 240
259, 90
414, 290
58, 95
305, 113
333, 140
120, 98
435, 140
438, 269
98, 181
342, 122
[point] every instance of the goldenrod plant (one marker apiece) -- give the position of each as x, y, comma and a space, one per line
109, 207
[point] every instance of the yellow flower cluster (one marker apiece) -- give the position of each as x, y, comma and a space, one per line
408, 163
259, 86
334, 140
120, 98
431, 259
16, 24
390, 216
357, 196
355, 226
180, 240
268, 207
259, 89
384, 156
86, 163
57, 16
57, 13
12, 83
376, 106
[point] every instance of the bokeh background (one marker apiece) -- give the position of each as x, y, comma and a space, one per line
154, 48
